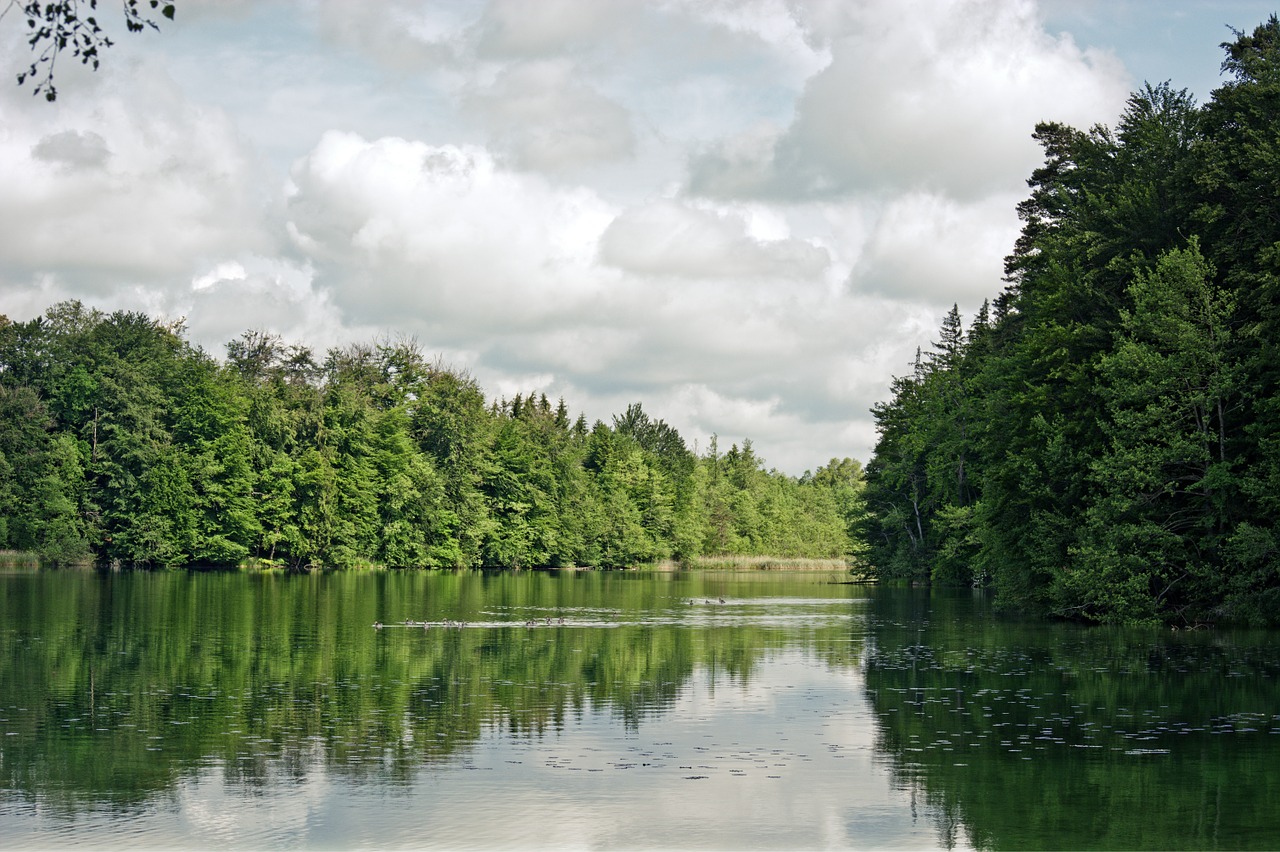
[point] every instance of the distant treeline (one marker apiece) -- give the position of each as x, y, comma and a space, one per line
1103, 441
121, 441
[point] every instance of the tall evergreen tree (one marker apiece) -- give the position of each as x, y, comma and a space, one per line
1103, 444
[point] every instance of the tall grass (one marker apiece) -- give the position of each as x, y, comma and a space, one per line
732, 562
11, 560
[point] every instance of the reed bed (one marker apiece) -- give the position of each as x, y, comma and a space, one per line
733, 562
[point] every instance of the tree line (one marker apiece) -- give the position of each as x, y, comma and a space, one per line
122, 441
1103, 440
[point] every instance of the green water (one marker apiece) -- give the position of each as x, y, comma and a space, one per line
611, 710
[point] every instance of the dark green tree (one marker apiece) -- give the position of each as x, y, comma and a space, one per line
1164, 488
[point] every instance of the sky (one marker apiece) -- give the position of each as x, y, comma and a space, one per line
744, 214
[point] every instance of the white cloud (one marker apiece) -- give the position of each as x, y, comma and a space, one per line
778, 23
745, 214
441, 235
227, 271
73, 149
402, 34
269, 294
926, 246
549, 120
667, 237
921, 95
102, 190
715, 317
519, 29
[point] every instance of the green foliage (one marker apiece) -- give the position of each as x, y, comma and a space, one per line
1165, 488
120, 441
1104, 446
750, 511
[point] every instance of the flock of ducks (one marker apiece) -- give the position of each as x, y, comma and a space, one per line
531, 623
448, 622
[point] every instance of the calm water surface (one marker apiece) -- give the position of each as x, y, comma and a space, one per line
596, 710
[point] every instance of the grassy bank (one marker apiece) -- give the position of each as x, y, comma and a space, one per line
731, 562
13, 559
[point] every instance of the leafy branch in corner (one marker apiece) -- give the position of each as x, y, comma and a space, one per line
73, 25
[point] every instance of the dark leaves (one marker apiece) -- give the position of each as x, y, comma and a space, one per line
56, 27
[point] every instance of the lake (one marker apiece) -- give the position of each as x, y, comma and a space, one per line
614, 710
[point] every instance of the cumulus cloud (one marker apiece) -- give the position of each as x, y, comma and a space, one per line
104, 190
548, 120
667, 237
920, 95
256, 292
786, 384
74, 149
401, 229
519, 29
402, 34
783, 25
745, 214
227, 271
551, 289
927, 246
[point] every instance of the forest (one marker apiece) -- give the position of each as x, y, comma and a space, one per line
1102, 441
121, 442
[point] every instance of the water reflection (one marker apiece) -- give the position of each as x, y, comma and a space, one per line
614, 711
269, 710
1056, 736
